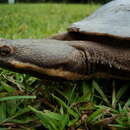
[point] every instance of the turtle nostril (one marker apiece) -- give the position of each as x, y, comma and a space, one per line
5, 50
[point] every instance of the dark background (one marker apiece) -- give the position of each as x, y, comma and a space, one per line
58, 1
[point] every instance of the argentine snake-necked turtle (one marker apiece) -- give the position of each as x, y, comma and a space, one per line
97, 46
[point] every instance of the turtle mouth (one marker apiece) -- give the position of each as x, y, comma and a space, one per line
49, 72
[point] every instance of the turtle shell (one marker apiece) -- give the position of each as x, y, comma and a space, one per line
112, 20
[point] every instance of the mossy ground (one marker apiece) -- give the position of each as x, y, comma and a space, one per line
29, 103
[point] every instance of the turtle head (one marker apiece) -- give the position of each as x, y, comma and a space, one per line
42, 58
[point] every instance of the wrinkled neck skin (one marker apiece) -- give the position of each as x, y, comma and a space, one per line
102, 60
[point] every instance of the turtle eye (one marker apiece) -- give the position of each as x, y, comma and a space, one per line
5, 50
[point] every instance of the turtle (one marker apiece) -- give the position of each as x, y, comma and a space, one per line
97, 46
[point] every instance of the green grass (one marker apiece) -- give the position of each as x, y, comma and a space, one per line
39, 20
31, 104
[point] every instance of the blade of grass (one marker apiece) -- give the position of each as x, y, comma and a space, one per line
95, 115
19, 113
16, 98
104, 97
71, 96
121, 92
7, 87
114, 100
51, 120
69, 110
2, 111
127, 104
87, 93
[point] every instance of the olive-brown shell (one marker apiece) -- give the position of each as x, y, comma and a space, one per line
112, 19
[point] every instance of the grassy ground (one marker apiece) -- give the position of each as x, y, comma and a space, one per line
32, 104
